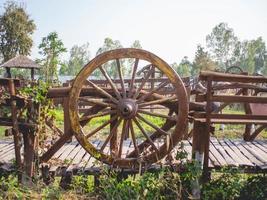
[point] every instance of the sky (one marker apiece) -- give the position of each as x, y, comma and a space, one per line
169, 28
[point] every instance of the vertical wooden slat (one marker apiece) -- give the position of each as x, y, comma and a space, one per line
16, 134
206, 134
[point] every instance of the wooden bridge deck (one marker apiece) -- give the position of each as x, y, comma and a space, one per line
224, 152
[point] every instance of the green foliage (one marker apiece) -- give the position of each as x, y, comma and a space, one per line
37, 93
52, 192
255, 188
221, 44
79, 56
161, 185
9, 188
202, 61
184, 68
16, 29
225, 186
51, 49
82, 184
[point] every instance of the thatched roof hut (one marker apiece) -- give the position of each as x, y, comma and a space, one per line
20, 62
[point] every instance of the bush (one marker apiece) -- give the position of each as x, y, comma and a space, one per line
255, 188
225, 186
149, 186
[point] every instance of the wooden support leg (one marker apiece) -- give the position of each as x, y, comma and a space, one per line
58, 144
114, 139
17, 136
67, 126
96, 180
198, 149
66, 179
29, 157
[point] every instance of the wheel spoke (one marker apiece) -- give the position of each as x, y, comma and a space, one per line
97, 102
125, 129
133, 138
162, 85
157, 114
133, 77
143, 83
91, 111
166, 127
158, 101
101, 127
100, 90
89, 117
113, 130
121, 78
152, 125
146, 136
112, 84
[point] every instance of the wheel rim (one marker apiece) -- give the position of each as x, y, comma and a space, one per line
126, 108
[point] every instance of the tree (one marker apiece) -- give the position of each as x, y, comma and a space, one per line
110, 67
16, 29
221, 43
136, 44
183, 69
79, 56
51, 48
251, 55
202, 61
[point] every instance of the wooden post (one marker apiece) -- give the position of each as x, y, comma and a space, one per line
152, 83
30, 143
248, 129
67, 126
114, 139
32, 74
8, 71
206, 134
17, 137
198, 149
29, 157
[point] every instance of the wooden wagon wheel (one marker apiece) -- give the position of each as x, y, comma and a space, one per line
123, 103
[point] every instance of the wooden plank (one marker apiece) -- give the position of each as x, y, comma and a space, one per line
247, 153
259, 154
67, 151
61, 150
9, 157
217, 154
232, 153
217, 76
259, 146
262, 144
91, 160
126, 145
237, 151
230, 161
4, 143
6, 150
232, 121
231, 116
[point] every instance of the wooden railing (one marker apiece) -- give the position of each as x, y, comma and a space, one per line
248, 87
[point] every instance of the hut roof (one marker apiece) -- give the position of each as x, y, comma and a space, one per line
20, 62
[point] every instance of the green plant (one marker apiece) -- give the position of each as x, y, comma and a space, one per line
10, 189
159, 185
51, 192
224, 186
82, 184
255, 188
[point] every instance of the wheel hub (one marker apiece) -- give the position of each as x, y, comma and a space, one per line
127, 108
